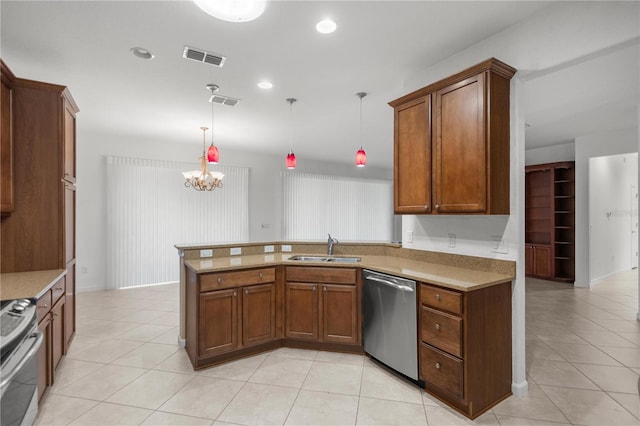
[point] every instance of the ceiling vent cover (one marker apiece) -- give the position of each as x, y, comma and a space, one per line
224, 100
200, 55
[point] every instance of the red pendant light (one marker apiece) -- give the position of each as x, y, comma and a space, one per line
361, 156
291, 160
213, 154
291, 157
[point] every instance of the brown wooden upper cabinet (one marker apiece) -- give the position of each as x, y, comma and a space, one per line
6, 140
451, 144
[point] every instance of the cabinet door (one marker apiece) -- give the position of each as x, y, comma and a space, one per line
57, 333
70, 304
6, 147
460, 157
528, 259
301, 311
44, 356
69, 143
412, 157
258, 314
542, 261
218, 322
339, 314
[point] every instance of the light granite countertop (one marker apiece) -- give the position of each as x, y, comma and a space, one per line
28, 285
457, 278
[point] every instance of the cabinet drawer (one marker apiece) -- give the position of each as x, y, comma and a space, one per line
315, 274
441, 370
222, 280
57, 290
440, 298
43, 306
441, 330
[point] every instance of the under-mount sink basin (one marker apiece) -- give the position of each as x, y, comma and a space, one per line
325, 259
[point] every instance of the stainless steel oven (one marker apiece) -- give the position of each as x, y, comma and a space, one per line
19, 344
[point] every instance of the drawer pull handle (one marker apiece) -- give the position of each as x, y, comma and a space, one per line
219, 279
324, 288
44, 306
437, 296
235, 293
246, 291
314, 287
260, 275
438, 327
438, 365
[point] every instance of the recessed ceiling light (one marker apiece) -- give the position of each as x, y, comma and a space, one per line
326, 26
141, 53
233, 10
265, 85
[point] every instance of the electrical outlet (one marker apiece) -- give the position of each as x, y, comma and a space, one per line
265, 226
206, 253
286, 248
410, 236
268, 249
235, 251
206, 264
269, 258
452, 240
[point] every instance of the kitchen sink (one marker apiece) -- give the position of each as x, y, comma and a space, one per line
325, 259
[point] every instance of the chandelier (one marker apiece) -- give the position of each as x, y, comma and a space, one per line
203, 180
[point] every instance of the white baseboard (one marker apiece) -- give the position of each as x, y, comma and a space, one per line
89, 288
520, 389
182, 342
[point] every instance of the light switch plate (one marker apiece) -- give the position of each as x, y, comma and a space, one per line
410, 236
236, 251
286, 248
206, 253
452, 240
268, 249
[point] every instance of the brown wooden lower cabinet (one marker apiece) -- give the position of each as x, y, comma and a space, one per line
465, 346
538, 260
50, 314
340, 314
218, 322
301, 311
258, 314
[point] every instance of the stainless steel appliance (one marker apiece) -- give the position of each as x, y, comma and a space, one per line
19, 343
390, 329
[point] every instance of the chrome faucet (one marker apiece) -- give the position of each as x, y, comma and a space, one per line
330, 243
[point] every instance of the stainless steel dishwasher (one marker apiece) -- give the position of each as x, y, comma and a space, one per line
390, 329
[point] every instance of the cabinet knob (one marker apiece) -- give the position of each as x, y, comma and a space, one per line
437, 296
438, 327
437, 206
260, 275
438, 365
314, 287
426, 207
324, 288
219, 279
246, 291
235, 293
44, 306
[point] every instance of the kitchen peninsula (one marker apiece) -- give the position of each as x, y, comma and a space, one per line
261, 299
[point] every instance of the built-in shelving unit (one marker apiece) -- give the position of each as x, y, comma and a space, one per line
550, 221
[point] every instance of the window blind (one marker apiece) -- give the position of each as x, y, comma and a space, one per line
347, 208
149, 210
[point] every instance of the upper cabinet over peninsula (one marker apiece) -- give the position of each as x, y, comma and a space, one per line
451, 144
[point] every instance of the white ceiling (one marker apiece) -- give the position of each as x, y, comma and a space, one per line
85, 45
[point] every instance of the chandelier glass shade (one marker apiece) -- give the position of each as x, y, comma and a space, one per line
291, 160
291, 157
203, 179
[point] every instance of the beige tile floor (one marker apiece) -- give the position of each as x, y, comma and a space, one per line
124, 367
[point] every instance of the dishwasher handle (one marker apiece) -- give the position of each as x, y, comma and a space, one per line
390, 283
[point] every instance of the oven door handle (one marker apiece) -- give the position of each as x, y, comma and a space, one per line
38, 336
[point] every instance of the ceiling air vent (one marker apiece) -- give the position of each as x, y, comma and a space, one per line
224, 100
200, 55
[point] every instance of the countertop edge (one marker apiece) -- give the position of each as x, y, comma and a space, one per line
36, 288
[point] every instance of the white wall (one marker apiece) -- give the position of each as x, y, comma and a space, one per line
550, 154
610, 202
556, 35
589, 146
265, 190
